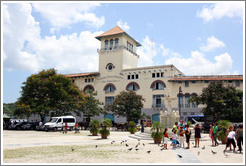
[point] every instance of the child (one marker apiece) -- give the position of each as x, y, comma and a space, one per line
174, 138
166, 138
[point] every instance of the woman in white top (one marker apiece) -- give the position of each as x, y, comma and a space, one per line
230, 138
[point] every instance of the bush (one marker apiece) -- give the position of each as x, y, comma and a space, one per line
132, 127
94, 125
104, 131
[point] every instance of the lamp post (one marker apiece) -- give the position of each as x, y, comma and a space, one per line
180, 91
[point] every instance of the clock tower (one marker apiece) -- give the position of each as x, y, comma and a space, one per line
117, 52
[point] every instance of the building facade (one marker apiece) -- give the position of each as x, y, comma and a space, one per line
118, 71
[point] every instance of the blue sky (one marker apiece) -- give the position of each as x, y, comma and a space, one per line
198, 38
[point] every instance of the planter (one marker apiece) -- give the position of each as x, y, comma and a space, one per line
104, 136
132, 132
157, 140
94, 133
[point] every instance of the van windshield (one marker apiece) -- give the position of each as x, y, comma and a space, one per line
53, 120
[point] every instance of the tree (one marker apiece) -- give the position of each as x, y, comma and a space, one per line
9, 108
127, 104
221, 102
91, 106
48, 92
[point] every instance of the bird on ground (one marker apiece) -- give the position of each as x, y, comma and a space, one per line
136, 149
127, 145
120, 142
203, 147
125, 140
96, 146
139, 143
111, 142
138, 139
148, 151
130, 149
213, 152
180, 156
143, 144
198, 153
136, 146
72, 149
162, 149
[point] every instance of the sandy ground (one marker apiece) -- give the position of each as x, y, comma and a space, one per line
55, 147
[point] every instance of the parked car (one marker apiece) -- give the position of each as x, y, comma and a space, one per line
19, 125
29, 126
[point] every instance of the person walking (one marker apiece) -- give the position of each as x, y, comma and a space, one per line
181, 136
65, 129
187, 136
239, 132
142, 126
166, 138
215, 131
211, 133
197, 129
230, 138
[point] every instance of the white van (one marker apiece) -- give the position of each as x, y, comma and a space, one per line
56, 123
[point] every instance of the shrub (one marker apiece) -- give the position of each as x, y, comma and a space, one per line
94, 126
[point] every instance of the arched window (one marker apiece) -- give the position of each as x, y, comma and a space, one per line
180, 100
132, 86
106, 45
194, 104
87, 88
187, 98
116, 42
158, 85
111, 44
109, 88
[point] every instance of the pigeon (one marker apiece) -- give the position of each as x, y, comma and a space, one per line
138, 139
198, 153
162, 149
136, 149
180, 156
125, 140
143, 144
120, 142
213, 152
96, 146
130, 149
203, 147
148, 151
111, 142
72, 149
127, 145
136, 146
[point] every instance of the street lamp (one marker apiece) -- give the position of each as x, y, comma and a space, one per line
180, 91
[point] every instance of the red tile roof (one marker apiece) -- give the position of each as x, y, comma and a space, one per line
114, 31
82, 74
209, 78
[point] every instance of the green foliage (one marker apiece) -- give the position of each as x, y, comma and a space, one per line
127, 104
132, 124
157, 135
189, 123
91, 106
9, 108
94, 125
106, 123
221, 102
223, 125
48, 91
157, 127
104, 132
132, 127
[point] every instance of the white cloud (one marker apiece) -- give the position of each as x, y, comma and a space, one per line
198, 65
147, 52
124, 25
65, 14
24, 49
222, 9
212, 44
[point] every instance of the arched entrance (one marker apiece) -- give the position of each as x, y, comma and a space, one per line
156, 117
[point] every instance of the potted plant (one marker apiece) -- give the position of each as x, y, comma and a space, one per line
157, 132
94, 127
104, 131
132, 127
222, 134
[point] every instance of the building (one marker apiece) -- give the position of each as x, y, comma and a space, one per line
119, 71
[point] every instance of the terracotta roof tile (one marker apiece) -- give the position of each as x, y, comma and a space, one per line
113, 31
209, 78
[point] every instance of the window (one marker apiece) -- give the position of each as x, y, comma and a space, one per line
89, 80
72, 81
157, 74
237, 83
68, 120
116, 43
186, 83
92, 79
153, 75
109, 88
129, 77
59, 120
132, 76
106, 45
86, 80
229, 81
133, 87
136, 76
179, 82
109, 100
180, 101
206, 81
109, 66
162, 74
127, 46
187, 104
193, 82
158, 101
87, 88
158, 86
111, 44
